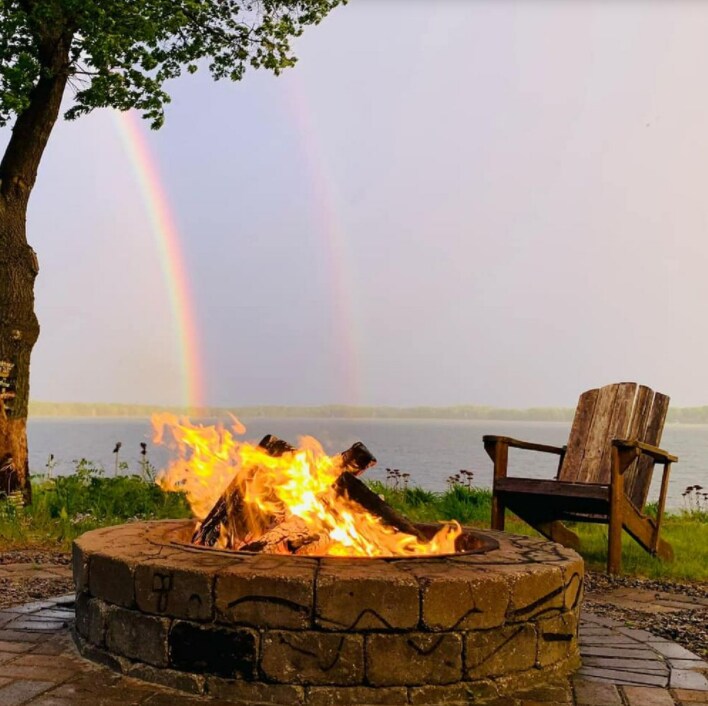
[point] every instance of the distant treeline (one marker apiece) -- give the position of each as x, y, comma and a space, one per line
685, 415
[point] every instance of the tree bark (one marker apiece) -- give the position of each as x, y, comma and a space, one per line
19, 327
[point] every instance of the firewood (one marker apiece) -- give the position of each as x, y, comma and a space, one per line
285, 538
318, 547
229, 508
357, 458
349, 486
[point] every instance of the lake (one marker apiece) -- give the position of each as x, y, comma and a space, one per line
430, 450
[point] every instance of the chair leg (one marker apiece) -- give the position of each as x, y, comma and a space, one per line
498, 511
614, 550
556, 531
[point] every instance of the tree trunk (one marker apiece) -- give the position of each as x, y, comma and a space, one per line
18, 332
19, 328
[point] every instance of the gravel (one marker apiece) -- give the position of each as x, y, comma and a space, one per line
16, 590
688, 628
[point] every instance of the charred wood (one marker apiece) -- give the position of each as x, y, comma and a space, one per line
285, 538
349, 486
229, 508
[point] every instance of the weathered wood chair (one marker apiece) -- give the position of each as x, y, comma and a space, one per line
604, 472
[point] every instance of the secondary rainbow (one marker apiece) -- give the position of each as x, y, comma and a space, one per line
172, 261
335, 244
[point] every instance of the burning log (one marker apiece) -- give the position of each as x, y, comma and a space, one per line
229, 508
231, 511
349, 486
287, 537
292, 536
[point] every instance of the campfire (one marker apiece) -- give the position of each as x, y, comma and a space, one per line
279, 499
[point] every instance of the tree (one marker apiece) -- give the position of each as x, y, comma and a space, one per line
112, 53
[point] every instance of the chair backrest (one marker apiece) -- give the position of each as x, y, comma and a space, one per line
624, 410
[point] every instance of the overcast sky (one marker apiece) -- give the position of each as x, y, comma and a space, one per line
444, 203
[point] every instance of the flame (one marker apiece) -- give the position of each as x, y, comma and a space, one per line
297, 487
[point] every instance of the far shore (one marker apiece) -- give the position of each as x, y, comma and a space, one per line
82, 410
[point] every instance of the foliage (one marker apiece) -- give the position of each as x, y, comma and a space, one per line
121, 54
66, 506
696, 502
466, 505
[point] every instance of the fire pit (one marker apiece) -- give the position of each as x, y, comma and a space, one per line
443, 614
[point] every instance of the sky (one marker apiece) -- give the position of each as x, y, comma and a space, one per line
449, 202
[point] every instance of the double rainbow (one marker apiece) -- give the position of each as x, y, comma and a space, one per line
172, 260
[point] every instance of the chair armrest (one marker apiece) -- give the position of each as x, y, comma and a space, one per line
659, 455
528, 445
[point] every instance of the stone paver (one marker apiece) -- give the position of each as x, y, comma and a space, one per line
648, 601
39, 666
647, 696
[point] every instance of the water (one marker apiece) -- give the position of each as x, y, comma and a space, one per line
430, 450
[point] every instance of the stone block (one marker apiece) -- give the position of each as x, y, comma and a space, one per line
255, 692
534, 591
192, 683
215, 650
79, 567
501, 651
550, 693
462, 598
137, 636
356, 695
573, 580
413, 658
100, 655
90, 620
97, 621
557, 638
452, 694
168, 588
81, 620
111, 579
309, 657
370, 597
266, 593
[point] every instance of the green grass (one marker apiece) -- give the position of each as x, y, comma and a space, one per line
65, 507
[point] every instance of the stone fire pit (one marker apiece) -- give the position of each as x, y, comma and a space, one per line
326, 630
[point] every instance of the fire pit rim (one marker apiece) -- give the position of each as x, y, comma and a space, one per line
484, 543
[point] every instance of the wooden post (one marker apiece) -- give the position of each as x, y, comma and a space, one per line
614, 549
500, 456
621, 461
660, 509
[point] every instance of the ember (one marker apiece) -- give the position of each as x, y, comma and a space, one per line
278, 499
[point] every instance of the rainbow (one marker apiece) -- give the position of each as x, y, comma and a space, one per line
167, 238
334, 242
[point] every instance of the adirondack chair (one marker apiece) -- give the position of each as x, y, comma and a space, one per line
604, 472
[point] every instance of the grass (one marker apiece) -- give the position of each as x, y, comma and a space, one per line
65, 507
